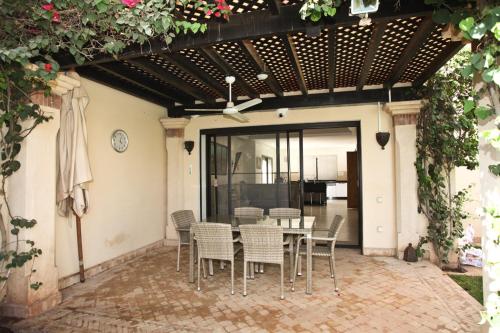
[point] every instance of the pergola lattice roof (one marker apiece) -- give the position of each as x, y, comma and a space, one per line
332, 62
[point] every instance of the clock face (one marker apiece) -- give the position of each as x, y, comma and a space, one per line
119, 140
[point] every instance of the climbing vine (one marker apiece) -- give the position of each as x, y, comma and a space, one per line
446, 139
32, 32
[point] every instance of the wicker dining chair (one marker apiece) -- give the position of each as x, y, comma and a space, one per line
321, 250
215, 241
182, 219
248, 212
287, 213
251, 212
262, 243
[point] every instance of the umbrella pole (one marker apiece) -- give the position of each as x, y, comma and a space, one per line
80, 247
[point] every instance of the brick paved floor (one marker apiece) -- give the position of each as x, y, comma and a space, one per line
377, 295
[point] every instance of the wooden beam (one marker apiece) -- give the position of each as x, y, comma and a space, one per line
216, 59
294, 60
110, 81
445, 55
311, 100
417, 41
164, 75
252, 25
190, 68
274, 6
259, 65
332, 40
123, 72
376, 38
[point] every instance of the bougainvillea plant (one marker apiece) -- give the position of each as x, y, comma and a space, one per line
446, 139
32, 32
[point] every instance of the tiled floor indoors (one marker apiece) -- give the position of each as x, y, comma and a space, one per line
324, 216
377, 295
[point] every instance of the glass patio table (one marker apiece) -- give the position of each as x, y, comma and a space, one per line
302, 226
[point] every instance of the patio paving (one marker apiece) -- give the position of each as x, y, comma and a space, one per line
377, 295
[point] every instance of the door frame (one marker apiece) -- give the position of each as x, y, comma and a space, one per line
264, 129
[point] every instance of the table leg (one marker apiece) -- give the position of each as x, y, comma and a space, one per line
191, 257
309, 266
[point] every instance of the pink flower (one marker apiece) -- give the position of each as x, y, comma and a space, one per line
48, 6
56, 18
131, 3
48, 67
217, 14
209, 12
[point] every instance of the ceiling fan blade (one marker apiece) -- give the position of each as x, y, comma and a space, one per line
214, 110
248, 104
237, 116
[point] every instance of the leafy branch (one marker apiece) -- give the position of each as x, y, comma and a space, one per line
31, 32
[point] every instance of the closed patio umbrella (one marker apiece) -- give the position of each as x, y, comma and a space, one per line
74, 172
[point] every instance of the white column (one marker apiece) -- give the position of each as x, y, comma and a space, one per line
31, 194
490, 198
175, 166
409, 224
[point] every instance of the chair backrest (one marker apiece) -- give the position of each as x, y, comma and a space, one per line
284, 213
249, 212
183, 219
214, 240
262, 243
337, 223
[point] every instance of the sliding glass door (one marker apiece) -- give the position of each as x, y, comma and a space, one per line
258, 170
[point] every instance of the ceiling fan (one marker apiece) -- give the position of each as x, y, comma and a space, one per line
231, 110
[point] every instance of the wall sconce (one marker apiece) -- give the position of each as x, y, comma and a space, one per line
382, 137
189, 145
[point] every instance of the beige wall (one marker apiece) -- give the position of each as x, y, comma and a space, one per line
464, 178
378, 165
128, 194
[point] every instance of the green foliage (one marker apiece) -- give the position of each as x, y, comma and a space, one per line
479, 23
446, 139
31, 31
316, 9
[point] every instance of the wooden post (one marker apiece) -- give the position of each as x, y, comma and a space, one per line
80, 247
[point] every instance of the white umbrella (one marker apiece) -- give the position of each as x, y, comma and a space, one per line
73, 162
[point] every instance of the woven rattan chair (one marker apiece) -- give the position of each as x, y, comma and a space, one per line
182, 219
321, 250
215, 241
251, 212
248, 212
262, 243
286, 213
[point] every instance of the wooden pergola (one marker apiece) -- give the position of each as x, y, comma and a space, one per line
335, 61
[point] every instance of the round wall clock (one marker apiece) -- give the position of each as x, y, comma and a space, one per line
119, 140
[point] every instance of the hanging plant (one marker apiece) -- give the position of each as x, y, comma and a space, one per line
316, 9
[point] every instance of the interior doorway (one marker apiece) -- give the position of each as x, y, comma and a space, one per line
331, 179
312, 167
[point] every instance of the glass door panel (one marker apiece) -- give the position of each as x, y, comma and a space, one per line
292, 167
219, 185
253, 171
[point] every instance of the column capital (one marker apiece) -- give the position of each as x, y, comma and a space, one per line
404, 112
174, 123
